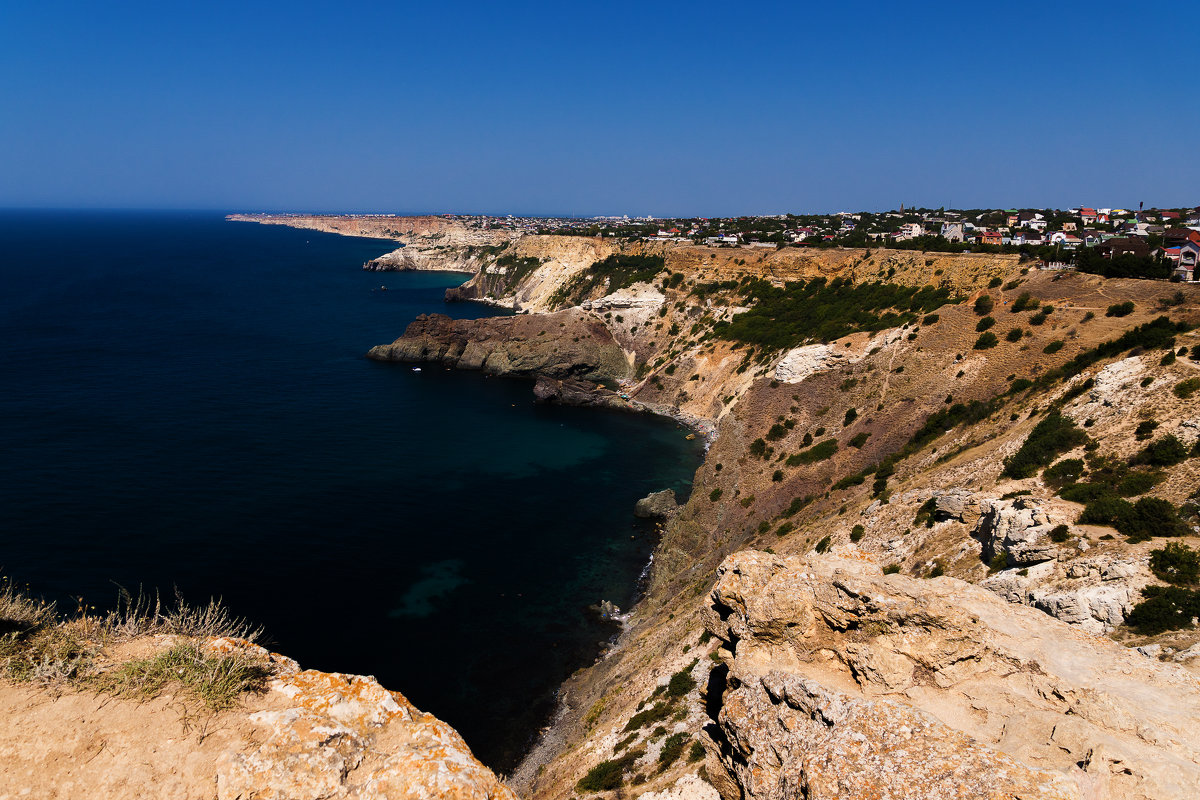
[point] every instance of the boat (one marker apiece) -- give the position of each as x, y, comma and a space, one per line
416, 369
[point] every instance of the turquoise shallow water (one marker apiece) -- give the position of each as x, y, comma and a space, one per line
184, 402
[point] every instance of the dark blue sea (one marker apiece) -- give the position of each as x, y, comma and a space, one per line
184, 402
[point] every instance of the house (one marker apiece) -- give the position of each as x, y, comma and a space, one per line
1065, 239
910, 230
1125, 246
1189, 257
953, 231
991, 237
1068, 226
1088, 215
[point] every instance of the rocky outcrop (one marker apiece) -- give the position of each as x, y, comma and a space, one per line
309, 736
840, 682
567, 344
1094, 593
656, 505
1017, 528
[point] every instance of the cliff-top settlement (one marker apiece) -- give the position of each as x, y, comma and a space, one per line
943, 543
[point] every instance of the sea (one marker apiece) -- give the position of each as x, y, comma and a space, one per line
185, 406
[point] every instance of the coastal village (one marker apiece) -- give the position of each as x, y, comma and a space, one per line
1153, 243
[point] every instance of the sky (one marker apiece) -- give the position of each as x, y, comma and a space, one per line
668, 109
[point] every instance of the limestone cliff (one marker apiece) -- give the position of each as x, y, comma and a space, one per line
308, 736
844, 682
426, 242
886, 448
568, 344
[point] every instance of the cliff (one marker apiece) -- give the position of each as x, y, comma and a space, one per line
839, 681
125, 730
426, 242
976, 446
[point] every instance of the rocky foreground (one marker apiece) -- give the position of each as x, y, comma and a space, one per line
309, 736
839, 681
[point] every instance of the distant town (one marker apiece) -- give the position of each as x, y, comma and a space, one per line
1117, 242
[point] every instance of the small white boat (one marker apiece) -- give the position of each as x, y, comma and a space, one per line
416, 369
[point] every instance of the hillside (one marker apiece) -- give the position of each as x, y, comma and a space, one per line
886, 444
943, 543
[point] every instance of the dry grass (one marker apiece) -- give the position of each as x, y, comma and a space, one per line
216, 679
37, 644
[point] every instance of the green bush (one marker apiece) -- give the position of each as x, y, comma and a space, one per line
1066, 471
776, 433
1054, 435
777, 475
930, 319
823, 545
984, 304
681, 682
891, 569
1037, 319
818, 452
857, 533
1054, 347
672, 749
1024, 302
696, 753
1164, 608
1144, 429
800, 311
984, 324
1185, 389
1014, 335
994, 282
1137, 482
619, 270
1166, 451
986, 341
848, 481
1175, 563
1105, 510
1120, 309
798, 504
656, 713
608, 775
1059, 534
1151, 516
858, 440
1019, 385
851, 415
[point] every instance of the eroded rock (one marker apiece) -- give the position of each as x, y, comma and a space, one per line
656, 505
1019, 528
845, 683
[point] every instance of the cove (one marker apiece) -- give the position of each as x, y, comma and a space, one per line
187, 404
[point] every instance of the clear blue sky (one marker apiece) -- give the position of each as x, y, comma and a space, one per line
597, 108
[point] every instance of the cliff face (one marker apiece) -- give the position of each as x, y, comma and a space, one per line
844, 682
568, 344
308, 736
427, 242
827, 679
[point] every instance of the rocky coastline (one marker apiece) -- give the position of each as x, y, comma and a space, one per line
861, 596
